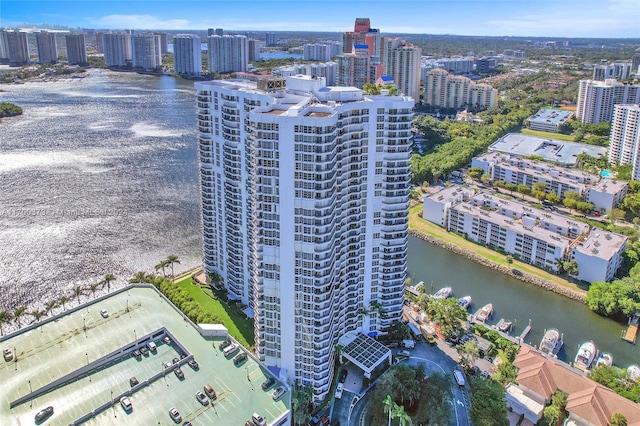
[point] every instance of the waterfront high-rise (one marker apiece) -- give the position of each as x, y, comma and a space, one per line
76, 49
271, 39
228, 53
18, 48
304, 207
596, 99
146, 51
401, 61
117, 49
187, 54
4, 48
47, 48
164, 44
624, 138
254, 46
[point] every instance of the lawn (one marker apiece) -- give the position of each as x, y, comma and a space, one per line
240, 328
548, 135
416, 222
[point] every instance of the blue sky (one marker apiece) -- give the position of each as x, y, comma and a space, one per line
557, 18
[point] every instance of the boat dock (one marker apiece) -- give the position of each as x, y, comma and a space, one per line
524, 333
631, 333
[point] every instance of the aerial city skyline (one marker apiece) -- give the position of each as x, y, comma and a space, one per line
340, 210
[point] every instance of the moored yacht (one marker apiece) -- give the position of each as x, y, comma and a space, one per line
585, 356
485, 312
633, 371
443, 293
551, 342
504, 325
605, 358
465, 302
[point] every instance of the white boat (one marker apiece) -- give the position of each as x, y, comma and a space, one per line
585, 356
605, 358
504, 325
551, 342
443, 293
484, 313
633, 371
465, 302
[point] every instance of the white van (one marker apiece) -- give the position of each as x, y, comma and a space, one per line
151, 346
230, 350
459, 378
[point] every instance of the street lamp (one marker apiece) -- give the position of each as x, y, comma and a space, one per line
135, 335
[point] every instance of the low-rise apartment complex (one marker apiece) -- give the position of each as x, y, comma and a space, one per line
603, 193
549, 120
535, 236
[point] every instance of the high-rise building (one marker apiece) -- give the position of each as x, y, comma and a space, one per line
635, 62
328, 70
76, 49
271, 39
624, 138
99, 43
47, 48
304, 204
448, 91
317, 52
228, 53
187, 54
254, 49
402, 62
146, 52
356, 69
620, 71
164, 44
219, 31
362, 34
4, 47
18, 48
117, 49
596, 99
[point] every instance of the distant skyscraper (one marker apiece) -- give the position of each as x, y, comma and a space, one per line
117, 49
305, 214
18, 48
164, 45
4, 48
219, 31
47, 48
355, 69
210, 32
624, 139
187, 54
76, 49
254, 49
402, 62
596, 99
362, 34
635, 62
228, 53
318, 51
146, 51
271, 39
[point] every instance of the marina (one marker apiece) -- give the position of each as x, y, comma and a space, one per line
631, 333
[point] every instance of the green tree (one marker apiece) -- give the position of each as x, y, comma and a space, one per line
553, 198
485, 178
50, 306
18, 313
161, 266
63, 300
618, 419
572, 195
301, 401
399, 331
631, 203
139, 277
402, 416
506, 374
488, 406
616, 215
570, 203
468, 352
511, 187
524, 190
540, 195
5, 318
475, 173
107, 280
509, 259
93, 288
550, 416
540, 186
447, 313
77, 292
171, 260
38, 314
9, 110
389, 406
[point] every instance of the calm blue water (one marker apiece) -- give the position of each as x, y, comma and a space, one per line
605, 173
279, 55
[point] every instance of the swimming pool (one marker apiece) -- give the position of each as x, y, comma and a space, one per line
605, 173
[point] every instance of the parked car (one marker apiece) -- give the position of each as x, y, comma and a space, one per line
166, 340
167, 365
258, 420
209, 391
339, 389
193, 364
7, 354
104, 313
152, 346
202, 398
44, 414
179, 374
176, 360
277, 394
268, 383
126, 403
175, 415
240, 358
133, 381
343, 376
224, 344
137, 355
144, 351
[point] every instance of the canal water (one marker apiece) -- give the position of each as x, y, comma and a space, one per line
519, 302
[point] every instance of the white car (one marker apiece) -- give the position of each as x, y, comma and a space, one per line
339, 390
258, 420
104, 313
126, 403
277, 394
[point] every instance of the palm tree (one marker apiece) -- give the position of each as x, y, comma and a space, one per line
38, 314
401, 415
215, 279
50, 306
62, 301
389, 406
107, 280
18, 312
93, 288
77, 292
139, 277
171, 260
163, 264
5, 318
